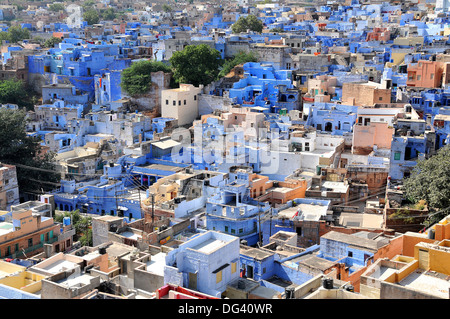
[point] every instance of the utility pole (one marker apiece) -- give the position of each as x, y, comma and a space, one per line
259, 222
153, 210
140, 207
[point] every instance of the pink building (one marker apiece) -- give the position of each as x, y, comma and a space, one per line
365, 137
426, 74
379, 34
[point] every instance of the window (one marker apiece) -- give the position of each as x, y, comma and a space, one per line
179, 102
380, 98
174, 103
432, 76
397, 156
350, 254
167, 102
233, 231
419, 77
241, 230
184, 102
226, 229
233, 268
218, 277
30, 242
195, 97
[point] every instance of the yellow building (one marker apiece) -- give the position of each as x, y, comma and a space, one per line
17, 277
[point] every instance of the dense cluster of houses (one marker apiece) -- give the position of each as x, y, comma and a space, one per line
282, 179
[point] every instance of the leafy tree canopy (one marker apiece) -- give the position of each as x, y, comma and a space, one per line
15, 34
16, 92
16, 147
108, 14
81, 224
56, 7
91, 16
167, 8
50, 42
240, 58
249, 22
137, 80
196, 64
430, 181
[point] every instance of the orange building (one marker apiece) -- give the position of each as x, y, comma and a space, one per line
27, 232
277, 191
427, 74
379, 34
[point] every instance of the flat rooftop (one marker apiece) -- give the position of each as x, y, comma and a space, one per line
162, 167
209, 245
59, 266
130, 235
361, 220
5, 228
156, 264
426, 282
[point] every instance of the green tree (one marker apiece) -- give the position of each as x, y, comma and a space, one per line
81, 224
88, 4
108, 14
430, 181
277, 30
56, 7
240, 58
137, 80
249, 22
167, 8
13, 91
50, 42
34, 171
91, 16
15, 34
196, 64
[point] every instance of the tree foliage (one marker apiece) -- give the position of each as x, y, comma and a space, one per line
249, 22
16, 92
240, 58
50, 42
17, 147
167, 8
56, 7
137, 80
15, 34
81, 224
91, 16
196, 64
108, 14
430, 181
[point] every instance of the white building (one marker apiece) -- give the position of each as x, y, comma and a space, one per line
181, 103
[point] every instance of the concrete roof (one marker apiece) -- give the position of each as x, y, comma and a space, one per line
425, 282
165, 144
256, 253
314, 262
353, 240
5, 228
156, 264
361, 220
209, 245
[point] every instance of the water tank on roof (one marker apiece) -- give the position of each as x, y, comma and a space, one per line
327, 283
66, 221
289, 291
